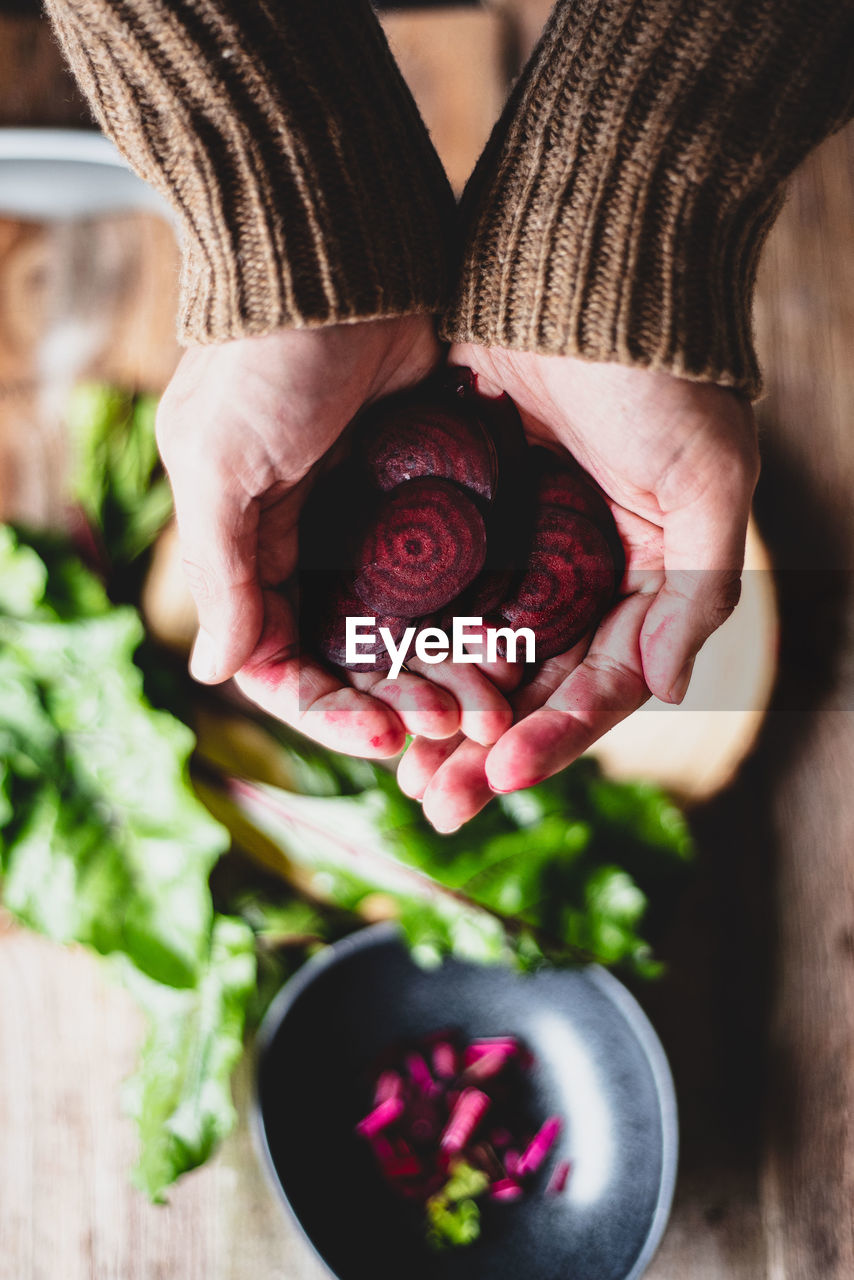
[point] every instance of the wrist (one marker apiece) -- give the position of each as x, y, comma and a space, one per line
629, 187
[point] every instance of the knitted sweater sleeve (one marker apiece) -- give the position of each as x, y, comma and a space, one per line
620, 206
281, 132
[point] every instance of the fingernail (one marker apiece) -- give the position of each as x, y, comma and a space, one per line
680, 685
203, 663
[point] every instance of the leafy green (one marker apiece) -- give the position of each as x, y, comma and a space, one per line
103, 842
453, 1217
116, 477
106, 844
532, 878
180, 1095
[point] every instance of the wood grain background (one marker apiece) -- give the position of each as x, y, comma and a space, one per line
757, 1014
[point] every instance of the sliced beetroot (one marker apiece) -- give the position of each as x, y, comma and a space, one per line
568, 582
483, 597
425, 545
410, 438
501, 422
558, 481
326, 628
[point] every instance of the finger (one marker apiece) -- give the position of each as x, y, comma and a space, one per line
421, 760
303, 694
484, 713
218, 531
425, 709
468, 786
607, 686
458, 789
703, 558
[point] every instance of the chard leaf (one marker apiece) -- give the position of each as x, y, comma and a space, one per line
108, 846
180, 1096
494, 892
116, 476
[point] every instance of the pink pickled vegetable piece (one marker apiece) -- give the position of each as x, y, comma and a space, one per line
389, 1085
381, 1117
488, 1065
479, 1048
558, 1179
511, 1162
506, 1189
420, 1073
539, 1147
445, 1060
470, 1108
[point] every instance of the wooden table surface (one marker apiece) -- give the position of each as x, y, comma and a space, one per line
757, 1014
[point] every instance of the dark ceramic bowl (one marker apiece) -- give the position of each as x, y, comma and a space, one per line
598, 1064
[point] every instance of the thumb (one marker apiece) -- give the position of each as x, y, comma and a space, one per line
703, 557
703, 560
219, 541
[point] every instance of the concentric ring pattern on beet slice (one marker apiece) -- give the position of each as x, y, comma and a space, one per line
559, 481
568, 582
484, 595
412, 439
425, 545
327, 629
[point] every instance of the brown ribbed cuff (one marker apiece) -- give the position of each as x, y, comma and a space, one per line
618, 211
281, 132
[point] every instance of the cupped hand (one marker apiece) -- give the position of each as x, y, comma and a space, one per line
678, 462
243, 429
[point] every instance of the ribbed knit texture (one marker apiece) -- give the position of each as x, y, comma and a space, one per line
283, 135
620, 206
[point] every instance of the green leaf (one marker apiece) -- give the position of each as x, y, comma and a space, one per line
23, 576
116, 476
103, 840
452, 1216
494, 892
180, 1095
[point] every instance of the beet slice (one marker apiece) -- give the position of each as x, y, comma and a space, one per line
414, 437
325, 629
500, 421
568, 582
559, 481
483, 597
425, 545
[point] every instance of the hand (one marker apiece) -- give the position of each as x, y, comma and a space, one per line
242, 429
678, 462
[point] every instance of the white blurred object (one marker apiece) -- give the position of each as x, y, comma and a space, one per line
56, 174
